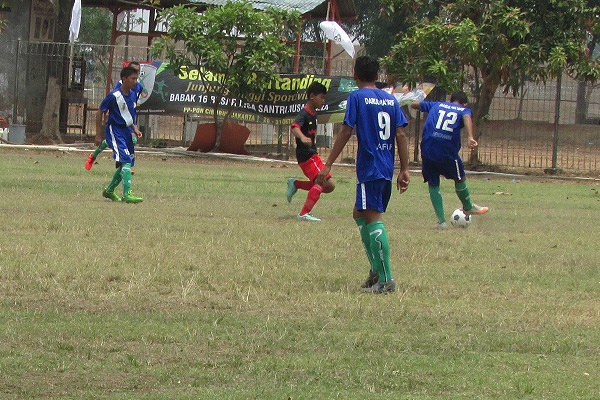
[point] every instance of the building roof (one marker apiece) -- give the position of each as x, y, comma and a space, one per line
308, 8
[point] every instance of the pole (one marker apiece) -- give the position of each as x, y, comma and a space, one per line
556, 122
16, 86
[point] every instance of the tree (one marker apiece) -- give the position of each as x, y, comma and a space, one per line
235, 49
96, 27
496, 44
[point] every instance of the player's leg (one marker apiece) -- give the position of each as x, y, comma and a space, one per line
431, 176
373, 277
109, 191
311, 168
128, 196
92, 157
372, 199
462, 190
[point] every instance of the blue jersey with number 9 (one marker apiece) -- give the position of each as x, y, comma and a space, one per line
375, 115
441, 132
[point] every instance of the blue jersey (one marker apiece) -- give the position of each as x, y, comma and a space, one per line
139, 88
120, 107
374, 115
441, 132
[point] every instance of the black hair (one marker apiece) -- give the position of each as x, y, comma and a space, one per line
315, 88
459, 96
128, 71
366, 68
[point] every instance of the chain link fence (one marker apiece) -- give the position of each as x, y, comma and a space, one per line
548, 127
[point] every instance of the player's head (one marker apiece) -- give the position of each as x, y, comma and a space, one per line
316, 92
315, 88
129, 77
366, 69
136, 65
459, 97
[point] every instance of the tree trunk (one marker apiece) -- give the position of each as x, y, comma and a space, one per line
481, 110
50, 120
56, 89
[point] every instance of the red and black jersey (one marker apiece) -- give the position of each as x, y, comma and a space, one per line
306, 121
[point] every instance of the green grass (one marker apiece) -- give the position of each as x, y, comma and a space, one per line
211, 289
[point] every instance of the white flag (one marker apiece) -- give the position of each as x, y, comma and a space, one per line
335, 32
75, 21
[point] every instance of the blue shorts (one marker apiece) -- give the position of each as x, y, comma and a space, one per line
119, 140
373, 195
448, 168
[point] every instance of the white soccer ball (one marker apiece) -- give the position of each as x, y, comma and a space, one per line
459, 219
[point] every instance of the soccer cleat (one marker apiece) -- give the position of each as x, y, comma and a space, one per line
111, 195
476, 210
90, 161
382, 287
130, 198
372, 279
441, 226
291, 189
308, 217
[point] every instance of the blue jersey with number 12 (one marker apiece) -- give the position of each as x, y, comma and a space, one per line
375, 115
441, 132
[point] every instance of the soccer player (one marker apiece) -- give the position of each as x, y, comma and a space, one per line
379, 124
120, 106
304, 129
439, 151
138, 89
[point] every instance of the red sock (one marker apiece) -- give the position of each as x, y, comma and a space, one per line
304, 185
313, 196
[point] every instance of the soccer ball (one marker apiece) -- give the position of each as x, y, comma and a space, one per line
459, 219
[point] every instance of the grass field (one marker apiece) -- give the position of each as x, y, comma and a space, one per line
212, 289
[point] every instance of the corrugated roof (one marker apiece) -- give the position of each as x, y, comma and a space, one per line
309, 8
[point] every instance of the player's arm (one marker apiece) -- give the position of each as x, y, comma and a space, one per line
299, 135
469, 128
344, 134
402, 144
100, 118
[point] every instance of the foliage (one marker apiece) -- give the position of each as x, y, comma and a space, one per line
96, 27
378, 24
238, 45
496, 44
2, 21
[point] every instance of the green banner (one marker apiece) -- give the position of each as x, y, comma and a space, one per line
167, 93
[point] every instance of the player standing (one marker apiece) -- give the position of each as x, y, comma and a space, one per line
304, 129
120, 105
103, 145
439, 151
379, 124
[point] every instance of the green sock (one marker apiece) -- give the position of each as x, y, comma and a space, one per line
380, 248
126, 176
438, 203
462, 191
100, 148
116, 179
364, 237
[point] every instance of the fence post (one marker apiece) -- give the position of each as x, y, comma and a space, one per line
554, 168
16, 85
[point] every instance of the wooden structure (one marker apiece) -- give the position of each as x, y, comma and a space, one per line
334, 10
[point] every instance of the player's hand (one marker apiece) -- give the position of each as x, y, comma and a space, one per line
322, 176
403, 181
473, 143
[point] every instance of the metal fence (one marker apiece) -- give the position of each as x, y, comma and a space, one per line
547, 126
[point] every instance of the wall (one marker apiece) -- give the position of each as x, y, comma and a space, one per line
17, 28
